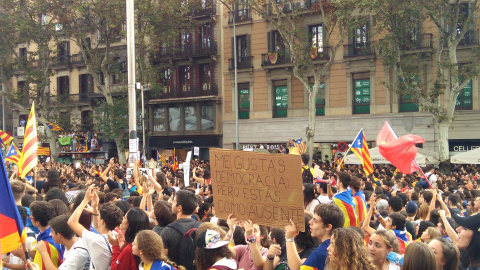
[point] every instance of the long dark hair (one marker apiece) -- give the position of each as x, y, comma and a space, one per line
204, 258
471, 255
137, 221
308, 193
304, 240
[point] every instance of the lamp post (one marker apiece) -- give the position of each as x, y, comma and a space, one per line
235, 71
143, 88
132, 110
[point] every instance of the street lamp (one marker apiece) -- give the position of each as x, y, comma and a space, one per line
235, 71
143, 88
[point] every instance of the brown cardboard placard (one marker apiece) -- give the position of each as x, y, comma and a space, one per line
265, 188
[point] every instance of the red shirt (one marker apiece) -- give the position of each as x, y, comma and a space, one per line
124, 259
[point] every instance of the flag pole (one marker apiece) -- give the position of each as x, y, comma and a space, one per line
414, 160
341, 161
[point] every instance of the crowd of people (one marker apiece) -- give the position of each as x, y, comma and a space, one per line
98, 217
79, 141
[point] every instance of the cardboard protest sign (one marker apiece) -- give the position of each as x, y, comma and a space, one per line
265, 188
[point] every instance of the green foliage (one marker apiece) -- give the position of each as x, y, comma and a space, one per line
112, 119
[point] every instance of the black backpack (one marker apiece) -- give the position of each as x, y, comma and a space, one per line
186, 248
307, 176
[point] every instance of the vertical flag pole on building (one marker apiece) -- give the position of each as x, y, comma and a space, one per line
29, 156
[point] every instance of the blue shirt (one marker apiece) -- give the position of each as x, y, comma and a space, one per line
316, 260
45, 235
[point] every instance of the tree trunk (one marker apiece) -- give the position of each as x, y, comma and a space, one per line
310, 132
442, 129
120, 149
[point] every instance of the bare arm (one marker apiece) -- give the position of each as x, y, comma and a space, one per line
450, 231
294, 261
444, 206
104, 174
329, 190
257, 258
47, 261
73, 220
432, 204
366, 222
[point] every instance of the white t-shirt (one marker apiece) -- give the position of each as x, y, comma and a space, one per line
324, 199
76, 258
311, 206
99, 248
432, 179
393, 266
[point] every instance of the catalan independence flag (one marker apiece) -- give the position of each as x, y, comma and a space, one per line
54, 250
161, 159
13, 155
174, 161
360, 148
404, 238
300, 144
344, 201
53, 126
6, 139
43, 151
360, 205
12, 231
30, 144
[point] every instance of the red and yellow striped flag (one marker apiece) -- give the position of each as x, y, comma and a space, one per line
6, 139
30, 144
43, 151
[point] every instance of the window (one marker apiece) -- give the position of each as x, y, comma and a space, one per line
22, 87
243, 101
63, 52
205, 76
361, 35
23, 54
191, 118
316, 34
207, 118
85, 85
206, 35
361, 96
87, 120
319, 100
174, 119
185, 41
276, 43
166, 80
464, 98
242, 48
281, 100
159, 119
185, 78
63, 87
407, 103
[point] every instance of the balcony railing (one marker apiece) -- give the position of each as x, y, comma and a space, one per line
276, 58
205, 48
70, 98
190, 91
422, 42
77, 59
242, 62
470, 38
358, 49
60, 61
200, 49
206, 8
239, 15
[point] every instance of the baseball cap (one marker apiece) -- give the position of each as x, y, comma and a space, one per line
412, 207
210, 239
472, 222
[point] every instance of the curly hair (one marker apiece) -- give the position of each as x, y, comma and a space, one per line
204, 258
42, 212
390, 239
111, 215
350, 251
151, 246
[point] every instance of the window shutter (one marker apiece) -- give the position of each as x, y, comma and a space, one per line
269, 41
233, 48
249, 46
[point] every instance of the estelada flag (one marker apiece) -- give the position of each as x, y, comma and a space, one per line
402, 152
12, 231
6, 139
344, 201
13, 155
360, 148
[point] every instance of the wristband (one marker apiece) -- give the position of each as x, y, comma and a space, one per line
378, 216
251, 239
95, 214
270, 259
290, 240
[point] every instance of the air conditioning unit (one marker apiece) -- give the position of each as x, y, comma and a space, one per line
20, 131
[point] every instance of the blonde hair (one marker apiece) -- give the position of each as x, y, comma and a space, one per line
422, 211
434, 233
151, 246
389, 238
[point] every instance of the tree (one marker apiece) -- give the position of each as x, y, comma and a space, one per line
340, 17
452, 24
31, 22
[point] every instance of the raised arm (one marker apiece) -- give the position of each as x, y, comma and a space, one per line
104, 174
257, 258
450, 231
444, 206
294, 261
73, 220
366, 222
432, 204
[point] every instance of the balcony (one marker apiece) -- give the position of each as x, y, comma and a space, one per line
422, 42
201, 49
60, 61
358, 49
189, 91
77, 60
242, 62
240, 15
470, 38
82, 98
276, 58
205, 49
206, 8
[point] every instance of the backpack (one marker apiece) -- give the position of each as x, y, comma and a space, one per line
186, 248
307, 176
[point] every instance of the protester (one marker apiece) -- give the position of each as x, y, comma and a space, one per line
382, 242
468, 240
213, 253
347, 250
418, 256
149, 247
447, 255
